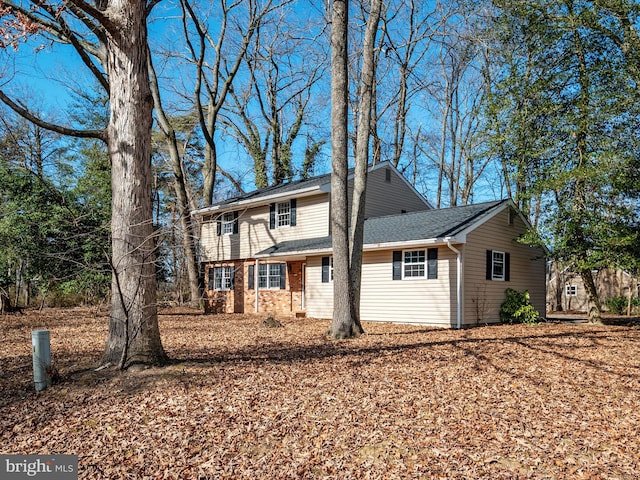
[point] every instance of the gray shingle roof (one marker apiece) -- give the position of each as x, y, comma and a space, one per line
406, 227
280, 189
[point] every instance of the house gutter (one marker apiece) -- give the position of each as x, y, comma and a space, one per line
458, 282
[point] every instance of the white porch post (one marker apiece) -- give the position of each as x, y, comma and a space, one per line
459, 302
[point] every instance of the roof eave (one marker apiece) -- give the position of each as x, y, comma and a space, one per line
369, 247
251, 202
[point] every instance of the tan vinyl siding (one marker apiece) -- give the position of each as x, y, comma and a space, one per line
409, 300
254, 235
390, 198
318, 295
383, 299
527, 270
214, 247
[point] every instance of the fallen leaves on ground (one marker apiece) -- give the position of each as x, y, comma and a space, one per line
240, 400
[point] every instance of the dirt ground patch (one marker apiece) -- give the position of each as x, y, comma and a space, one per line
239, 400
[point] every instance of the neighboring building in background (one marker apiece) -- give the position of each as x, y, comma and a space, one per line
566, 292
270, 251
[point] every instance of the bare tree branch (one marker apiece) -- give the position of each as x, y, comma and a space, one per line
24, 112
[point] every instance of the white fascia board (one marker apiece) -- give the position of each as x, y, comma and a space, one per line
423, 242
298, 253
371, 247
252, 202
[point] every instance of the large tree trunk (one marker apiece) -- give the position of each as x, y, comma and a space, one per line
134, 336
342, 325
593, 301
362, 161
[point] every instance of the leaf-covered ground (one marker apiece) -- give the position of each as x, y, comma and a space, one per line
245, 401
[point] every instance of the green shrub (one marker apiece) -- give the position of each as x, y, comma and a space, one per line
517, 308
617, 305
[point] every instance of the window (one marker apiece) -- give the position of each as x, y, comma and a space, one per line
571, 290
221, 278
271, 276
327, 269
282, 214
498, 265
415, 264
227, 223
497, 272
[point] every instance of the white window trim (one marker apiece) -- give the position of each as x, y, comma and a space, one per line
286, 214
227, 223
227, 274
571, 290
268, 276
424, 265
493, 264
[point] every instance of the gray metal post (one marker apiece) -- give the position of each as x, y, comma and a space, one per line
41, 358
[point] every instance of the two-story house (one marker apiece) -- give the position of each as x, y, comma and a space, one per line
270, 251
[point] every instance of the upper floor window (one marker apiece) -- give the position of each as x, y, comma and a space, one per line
227, 223
282, 214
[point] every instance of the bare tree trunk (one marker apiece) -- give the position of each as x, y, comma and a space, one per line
362, 160
593, 301
134, 336
342, 325
180, 187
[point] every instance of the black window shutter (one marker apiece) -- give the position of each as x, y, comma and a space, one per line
210, 283
507, 267
233, 277
432, 263
250, 275
272, 216
292, 218
283, 276
219, 226
397, 264
235, 222
325, 269
489, 263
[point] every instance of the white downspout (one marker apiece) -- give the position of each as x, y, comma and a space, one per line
255, 284
458, 283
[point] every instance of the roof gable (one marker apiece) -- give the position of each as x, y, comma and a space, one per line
320, 183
